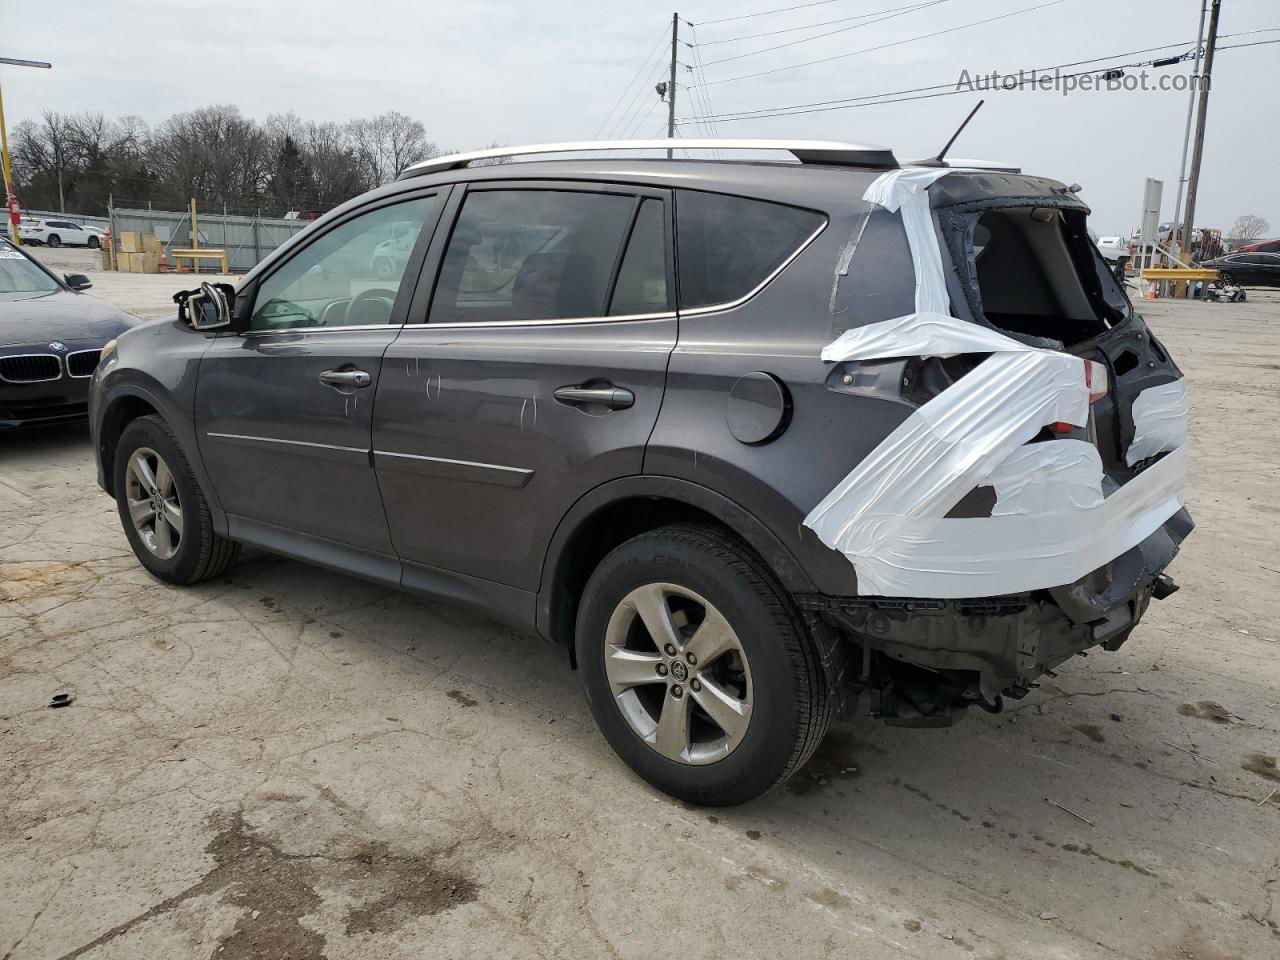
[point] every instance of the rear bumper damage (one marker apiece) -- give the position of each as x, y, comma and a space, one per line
920, 661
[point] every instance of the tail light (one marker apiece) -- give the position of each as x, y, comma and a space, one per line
1095, 381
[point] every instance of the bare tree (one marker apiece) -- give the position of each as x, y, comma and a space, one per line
1249, 226
385, 145
334, 168
44, 150
214, 154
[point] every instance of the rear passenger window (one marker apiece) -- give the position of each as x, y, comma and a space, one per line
531, 255
642, 280
727, 246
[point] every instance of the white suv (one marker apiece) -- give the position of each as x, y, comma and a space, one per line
57, 233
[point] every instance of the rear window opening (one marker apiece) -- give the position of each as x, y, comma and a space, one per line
1037, 273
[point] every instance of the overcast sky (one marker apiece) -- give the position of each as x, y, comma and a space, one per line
484, 71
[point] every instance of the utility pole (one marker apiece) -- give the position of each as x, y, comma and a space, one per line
671, 85
11, 201
1197, 151
1191, 109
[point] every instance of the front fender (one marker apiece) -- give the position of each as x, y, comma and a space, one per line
155, 366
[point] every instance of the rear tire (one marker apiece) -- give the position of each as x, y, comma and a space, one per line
162, 508
55, 241
748, 714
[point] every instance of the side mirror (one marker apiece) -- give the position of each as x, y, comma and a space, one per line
77, 281
208, 308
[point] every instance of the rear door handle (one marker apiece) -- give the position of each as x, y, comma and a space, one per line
615, 398
356, 379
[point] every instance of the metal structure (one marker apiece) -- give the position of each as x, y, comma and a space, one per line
1197, 152
802, 151
11, 201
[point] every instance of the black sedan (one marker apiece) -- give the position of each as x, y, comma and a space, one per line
1248, 269
51, 336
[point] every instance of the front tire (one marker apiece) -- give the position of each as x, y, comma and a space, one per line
697, 667
93, 243
162, 508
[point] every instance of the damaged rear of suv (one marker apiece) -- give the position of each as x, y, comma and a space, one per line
1028, 506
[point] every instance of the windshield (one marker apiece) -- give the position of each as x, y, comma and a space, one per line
20, 275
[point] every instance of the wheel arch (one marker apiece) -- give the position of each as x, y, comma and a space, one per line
621, 509
125, 403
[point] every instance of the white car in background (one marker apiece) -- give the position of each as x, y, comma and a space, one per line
60, 233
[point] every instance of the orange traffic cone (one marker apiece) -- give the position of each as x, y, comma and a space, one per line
1151, 291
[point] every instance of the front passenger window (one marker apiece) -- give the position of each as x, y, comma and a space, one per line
348, 277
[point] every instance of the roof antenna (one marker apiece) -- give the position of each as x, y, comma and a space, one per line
937, 161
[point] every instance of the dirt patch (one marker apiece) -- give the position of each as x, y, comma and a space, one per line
1090, 730
924, 795
754, 834
829, 898
457, 696
23, 581
1206, 710
411, 887
276, 890
1088, 851
1262, 765
915, 926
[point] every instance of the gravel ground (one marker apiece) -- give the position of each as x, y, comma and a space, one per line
291, 763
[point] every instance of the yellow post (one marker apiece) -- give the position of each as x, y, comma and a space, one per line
8, 172
195, 232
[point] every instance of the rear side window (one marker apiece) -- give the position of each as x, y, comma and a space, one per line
727, 246
531, 255
642, 279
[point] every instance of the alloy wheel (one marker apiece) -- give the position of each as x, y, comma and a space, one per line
154, 505
678, 673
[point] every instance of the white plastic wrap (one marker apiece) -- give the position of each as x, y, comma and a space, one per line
1159, 421
908, 190
1052, 477
1051, 524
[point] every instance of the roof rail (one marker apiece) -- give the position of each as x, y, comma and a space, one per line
805, 151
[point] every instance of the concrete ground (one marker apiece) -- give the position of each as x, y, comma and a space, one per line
292, 763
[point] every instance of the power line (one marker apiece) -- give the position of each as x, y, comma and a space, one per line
801, 107
875, 100
636, 102
894, 43
830, 33
765, 13
746, 114
644, 63
807, 26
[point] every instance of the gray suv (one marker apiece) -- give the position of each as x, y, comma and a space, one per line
758, 443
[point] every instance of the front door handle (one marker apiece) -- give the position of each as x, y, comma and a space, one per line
351, 379
615, 398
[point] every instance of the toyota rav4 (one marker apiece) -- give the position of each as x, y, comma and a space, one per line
759, 443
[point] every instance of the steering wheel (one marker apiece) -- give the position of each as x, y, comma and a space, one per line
283, 312
365, 302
